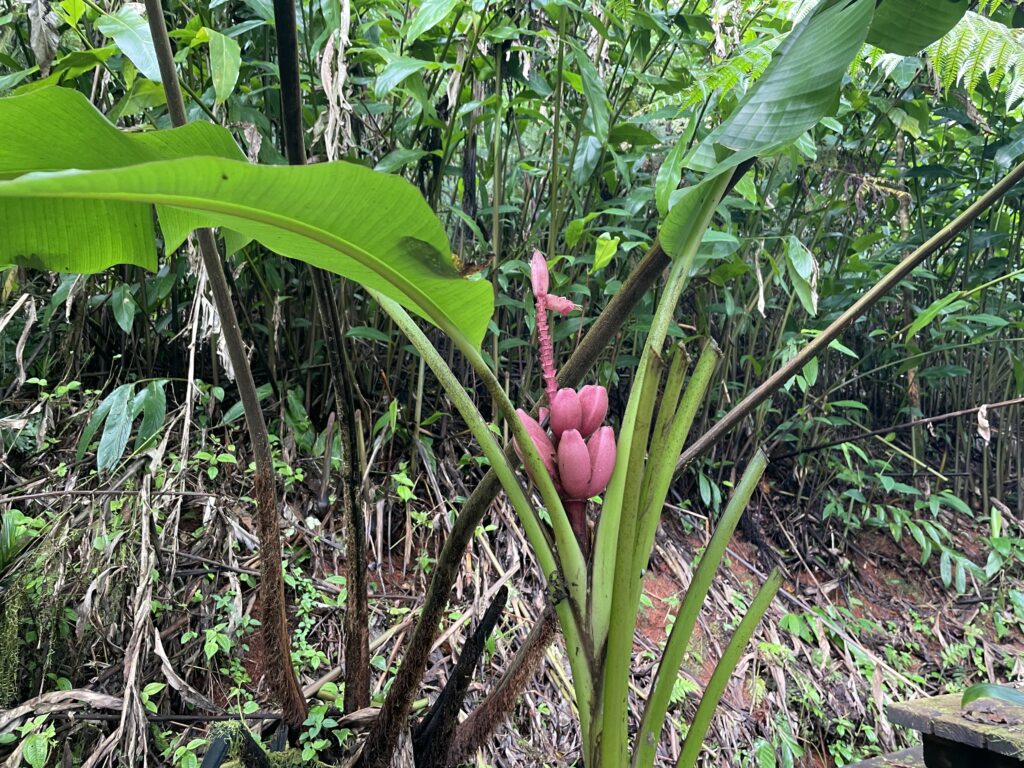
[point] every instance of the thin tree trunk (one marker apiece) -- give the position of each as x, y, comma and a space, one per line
274, 620
357, 633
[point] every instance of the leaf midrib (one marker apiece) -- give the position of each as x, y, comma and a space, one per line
289, 224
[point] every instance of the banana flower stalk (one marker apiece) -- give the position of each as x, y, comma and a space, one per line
578, 452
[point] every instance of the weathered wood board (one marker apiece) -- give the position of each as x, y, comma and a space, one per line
986, 724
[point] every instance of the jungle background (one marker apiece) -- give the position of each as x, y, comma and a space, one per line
894, 498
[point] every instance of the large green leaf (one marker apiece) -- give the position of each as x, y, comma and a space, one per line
396, 71
37, 136
56, 128
430, 14
908, 26
370, 227
679, 225
800, 85
225, 62
116, 430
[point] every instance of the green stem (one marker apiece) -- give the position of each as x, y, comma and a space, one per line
669, 404
616, 541
724, 669
608, 530
661, 466
679, 639
615, 673
477, 426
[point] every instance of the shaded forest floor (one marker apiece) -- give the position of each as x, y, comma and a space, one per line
860, 621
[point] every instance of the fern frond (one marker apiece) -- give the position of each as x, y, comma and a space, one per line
885, 63
989, 6
744, 66
981, 48
622, 10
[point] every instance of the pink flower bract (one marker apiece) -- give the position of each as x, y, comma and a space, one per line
593, 408
565, 411
540, 439
539, 275
601, 447
574, 464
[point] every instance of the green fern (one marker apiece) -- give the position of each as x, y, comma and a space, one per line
741, 68
738, 70
977, 48
622, 11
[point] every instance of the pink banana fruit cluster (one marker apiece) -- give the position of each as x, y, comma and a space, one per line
577, 449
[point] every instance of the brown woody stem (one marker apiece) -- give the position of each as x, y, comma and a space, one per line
357, 632
819, 343
274, 621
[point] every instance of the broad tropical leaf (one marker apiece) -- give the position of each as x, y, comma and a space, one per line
800, 86
36, 137
225, 62
908, 26
370, 227
373, 228
130, 30
682, 219
430, 14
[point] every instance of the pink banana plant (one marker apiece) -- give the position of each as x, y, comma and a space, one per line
577, 451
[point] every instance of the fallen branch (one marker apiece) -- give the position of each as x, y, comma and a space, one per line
899, 427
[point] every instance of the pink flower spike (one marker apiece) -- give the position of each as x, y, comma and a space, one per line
593, 408
601, 448
574, 465
539, 274
559, 304
565, 411
539, 281
540, 440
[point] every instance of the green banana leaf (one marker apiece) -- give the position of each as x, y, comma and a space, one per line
85, 214
800, 85
54, 129
678, 225
908, 26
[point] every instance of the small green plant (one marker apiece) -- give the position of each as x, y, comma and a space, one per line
116, 414
147, 694
188, 755
321, 733
37, 739
308, 600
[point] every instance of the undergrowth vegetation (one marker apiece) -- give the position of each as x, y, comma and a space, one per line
131, 615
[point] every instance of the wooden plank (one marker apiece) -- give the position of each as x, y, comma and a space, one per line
907, 758
985, 724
